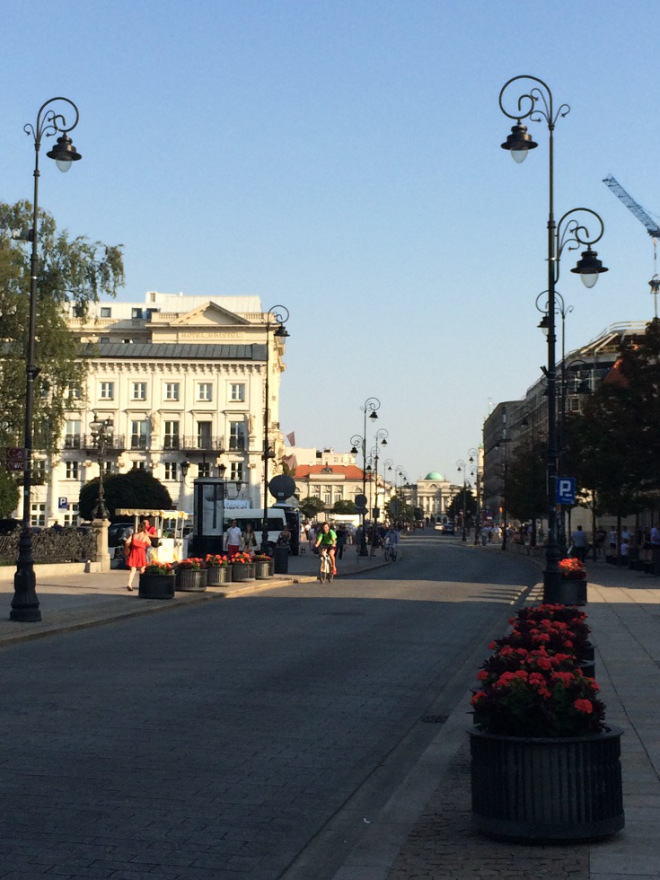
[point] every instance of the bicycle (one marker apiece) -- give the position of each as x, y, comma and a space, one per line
390, 552
325, 565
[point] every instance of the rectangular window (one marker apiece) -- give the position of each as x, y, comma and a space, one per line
171, 437
106, 312
170, 470
72, 392
72, 470
204, 469
237, 391
171, 391
37, 514
204, 391
136, 313
204, 435
71, 517
138, 390
72, 434
107, 391
327, 497
237, 435
38, 471
139, 434
236, 471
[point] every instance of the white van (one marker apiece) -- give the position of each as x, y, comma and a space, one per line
255, 516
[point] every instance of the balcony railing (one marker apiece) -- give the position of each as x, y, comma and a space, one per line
203, 443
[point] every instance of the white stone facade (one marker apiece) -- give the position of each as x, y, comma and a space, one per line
183, 380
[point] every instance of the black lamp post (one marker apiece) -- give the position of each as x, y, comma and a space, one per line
474, 461
371, 405
281, 316
537, 105
462, 468
400, 477
102, 434
381, 437
25, 604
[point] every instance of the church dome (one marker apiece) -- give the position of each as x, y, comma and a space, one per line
434, 475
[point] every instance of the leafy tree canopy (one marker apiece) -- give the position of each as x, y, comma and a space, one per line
310, 507
344, 507
525, 485
137, 488
9, 493
71, 270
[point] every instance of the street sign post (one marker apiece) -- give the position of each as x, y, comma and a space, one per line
565, 490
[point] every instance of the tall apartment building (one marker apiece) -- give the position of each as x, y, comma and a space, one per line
183, 380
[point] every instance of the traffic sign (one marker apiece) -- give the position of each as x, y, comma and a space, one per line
565, 490
62, 503
15, 459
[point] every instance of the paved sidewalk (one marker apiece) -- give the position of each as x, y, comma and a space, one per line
624, 614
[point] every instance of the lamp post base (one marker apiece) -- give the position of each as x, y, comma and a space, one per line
25, 604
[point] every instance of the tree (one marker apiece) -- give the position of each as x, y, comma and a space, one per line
137, 488
344, 507
525, 493
610, 447
72, 271
455, 508
9, 493
311, 507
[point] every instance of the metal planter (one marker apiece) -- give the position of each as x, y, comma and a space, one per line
547, 789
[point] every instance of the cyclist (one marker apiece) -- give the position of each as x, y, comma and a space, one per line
326, 539
392, 540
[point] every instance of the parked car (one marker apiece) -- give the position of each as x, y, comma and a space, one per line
439, 526
448, 529
118, 532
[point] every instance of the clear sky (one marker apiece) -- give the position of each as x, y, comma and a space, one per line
342, 157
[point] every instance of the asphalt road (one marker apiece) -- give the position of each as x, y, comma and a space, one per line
252, 738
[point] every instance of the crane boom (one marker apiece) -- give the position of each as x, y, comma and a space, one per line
651, 226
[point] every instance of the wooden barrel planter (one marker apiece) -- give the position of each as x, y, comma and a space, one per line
243, 571
217, 575
156, 586
191, 581
534, 789
264, 568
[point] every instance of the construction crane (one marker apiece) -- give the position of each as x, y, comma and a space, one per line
651, 227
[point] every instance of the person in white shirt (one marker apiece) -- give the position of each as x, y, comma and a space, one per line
233, 538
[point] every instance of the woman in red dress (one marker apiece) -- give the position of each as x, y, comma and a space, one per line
135, 548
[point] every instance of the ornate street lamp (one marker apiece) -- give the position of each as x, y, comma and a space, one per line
102, 430
371, 405
281, 316
570, 232
25, 604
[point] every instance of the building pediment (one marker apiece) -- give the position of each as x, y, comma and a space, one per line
209, 315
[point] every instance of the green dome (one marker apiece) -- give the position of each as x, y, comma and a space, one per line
434, 475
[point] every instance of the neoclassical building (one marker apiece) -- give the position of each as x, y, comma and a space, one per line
434, 494
182, 379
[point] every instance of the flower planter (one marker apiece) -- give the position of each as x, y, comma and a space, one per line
216, 575
156, 586
568, 591
243, 571
263, 569
547, 789
191, 581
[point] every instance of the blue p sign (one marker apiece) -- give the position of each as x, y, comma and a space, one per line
565, 490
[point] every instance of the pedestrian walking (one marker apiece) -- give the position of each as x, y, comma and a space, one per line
135, 550
579, 538
233, 539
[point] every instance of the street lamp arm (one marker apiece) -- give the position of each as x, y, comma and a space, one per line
50, 122
528, 102
574, 234
280, 313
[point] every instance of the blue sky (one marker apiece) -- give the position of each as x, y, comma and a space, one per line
343, 159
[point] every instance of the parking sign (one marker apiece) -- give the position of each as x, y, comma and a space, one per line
565, 490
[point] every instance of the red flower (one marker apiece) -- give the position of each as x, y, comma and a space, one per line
585, 706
